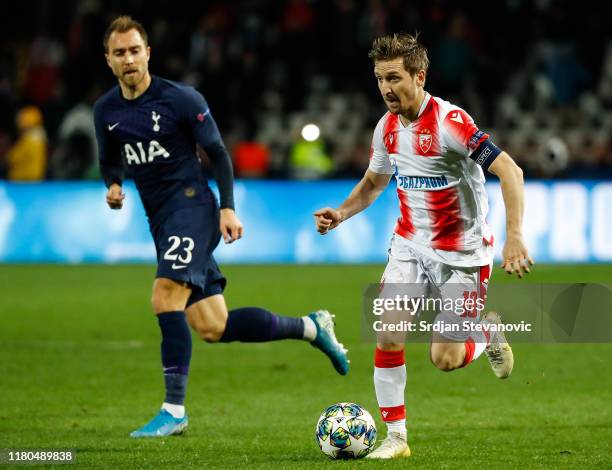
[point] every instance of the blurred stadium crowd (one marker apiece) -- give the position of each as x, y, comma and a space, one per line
536, 74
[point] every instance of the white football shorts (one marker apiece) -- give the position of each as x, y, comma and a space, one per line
412, 272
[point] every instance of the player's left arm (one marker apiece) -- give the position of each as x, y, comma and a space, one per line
469, 141
197, 115
515, 254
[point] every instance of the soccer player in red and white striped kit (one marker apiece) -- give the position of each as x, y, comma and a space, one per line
437, 154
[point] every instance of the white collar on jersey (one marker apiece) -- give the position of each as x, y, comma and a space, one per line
424, 104
421, 110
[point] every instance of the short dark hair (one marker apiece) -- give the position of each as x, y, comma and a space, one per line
401, 45
123, 24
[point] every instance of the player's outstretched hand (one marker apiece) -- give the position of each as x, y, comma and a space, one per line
230, 225
115, 197
327, 219
516, 257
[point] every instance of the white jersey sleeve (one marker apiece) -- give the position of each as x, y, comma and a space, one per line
463, 137
462, 134
379, 157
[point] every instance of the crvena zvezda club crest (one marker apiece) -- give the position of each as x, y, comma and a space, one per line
425, 140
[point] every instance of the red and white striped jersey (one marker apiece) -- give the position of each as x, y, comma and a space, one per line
443, 202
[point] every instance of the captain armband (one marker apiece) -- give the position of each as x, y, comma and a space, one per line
485, 153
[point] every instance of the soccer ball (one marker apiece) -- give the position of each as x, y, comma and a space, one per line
345, 431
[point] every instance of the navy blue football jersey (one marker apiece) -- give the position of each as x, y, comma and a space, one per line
154, 137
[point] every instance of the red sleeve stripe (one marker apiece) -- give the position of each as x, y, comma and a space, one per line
460, 125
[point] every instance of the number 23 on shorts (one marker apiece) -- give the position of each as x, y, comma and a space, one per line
180, 250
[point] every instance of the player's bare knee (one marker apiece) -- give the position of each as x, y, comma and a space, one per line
445, 360
391, 340
168, 296
212, 335
158, 302
208, 318
442, 362
161, 301
209, 331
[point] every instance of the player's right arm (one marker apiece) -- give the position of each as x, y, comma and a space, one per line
362, 196
373, 183
111, 166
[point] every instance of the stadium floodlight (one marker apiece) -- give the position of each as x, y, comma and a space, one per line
311, 132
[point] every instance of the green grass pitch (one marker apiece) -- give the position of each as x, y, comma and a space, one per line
79, 368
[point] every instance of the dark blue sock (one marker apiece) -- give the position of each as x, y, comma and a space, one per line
256, 325
176, 354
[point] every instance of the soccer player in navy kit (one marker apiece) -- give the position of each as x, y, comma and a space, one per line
151, 126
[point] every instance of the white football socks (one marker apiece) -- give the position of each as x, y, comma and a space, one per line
177, 411
481, 339
390, 384
398, 426
310, 329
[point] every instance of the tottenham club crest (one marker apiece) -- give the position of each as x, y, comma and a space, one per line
425, 140
155, 118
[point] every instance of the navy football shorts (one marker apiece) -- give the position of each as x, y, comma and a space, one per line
185, 242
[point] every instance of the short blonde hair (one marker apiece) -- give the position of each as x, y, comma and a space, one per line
401, 45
